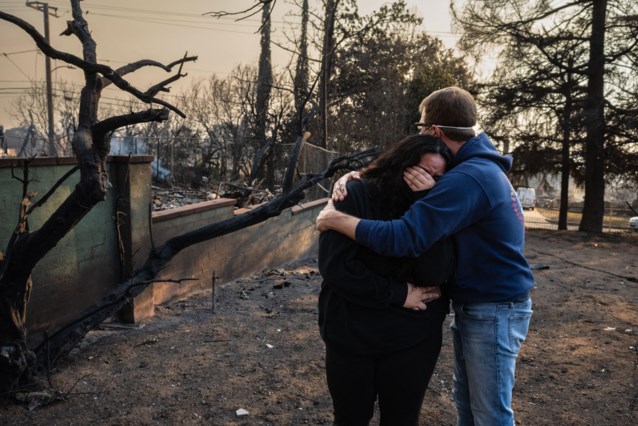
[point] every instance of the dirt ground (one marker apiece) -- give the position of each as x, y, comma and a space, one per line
260, 351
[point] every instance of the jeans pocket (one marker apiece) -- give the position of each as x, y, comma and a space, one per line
518, 327
479, 312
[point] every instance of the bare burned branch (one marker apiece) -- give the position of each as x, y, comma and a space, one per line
181, 62
161, 86
88, 66
282, 47
103, 127
249, 13
134, 66
245, 14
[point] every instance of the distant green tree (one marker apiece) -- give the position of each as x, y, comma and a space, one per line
383, 69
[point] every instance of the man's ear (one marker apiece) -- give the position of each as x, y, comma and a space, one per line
436, 131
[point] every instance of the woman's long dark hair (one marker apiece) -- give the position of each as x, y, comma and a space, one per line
386, 171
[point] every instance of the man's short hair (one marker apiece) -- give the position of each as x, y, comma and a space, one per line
451, 106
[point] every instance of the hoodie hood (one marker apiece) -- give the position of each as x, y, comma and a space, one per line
481, 146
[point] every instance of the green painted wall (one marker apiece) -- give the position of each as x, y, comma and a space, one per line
74, 270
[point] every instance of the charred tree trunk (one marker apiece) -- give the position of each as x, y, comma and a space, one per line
301, 72
91, 147
565, 148
327, 55
264, 86
594, 208
327, 59
564, 181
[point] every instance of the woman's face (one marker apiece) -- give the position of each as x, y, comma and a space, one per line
432, 163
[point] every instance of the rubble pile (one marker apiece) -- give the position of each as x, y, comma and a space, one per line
164, 199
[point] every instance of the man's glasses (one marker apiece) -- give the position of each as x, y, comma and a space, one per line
422, 128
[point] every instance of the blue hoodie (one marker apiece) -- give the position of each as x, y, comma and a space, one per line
475, 204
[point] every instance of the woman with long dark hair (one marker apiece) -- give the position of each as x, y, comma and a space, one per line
382, 339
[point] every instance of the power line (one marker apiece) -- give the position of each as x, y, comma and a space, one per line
17, 53
169, 14
112, 101
16, 65
173, 24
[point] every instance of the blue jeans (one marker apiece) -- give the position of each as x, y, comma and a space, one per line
487, 338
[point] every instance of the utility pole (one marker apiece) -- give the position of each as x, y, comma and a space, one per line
53, 11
